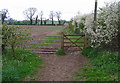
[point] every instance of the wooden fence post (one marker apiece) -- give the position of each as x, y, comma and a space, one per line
62, 40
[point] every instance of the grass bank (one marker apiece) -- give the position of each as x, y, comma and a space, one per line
15, 69
103, 65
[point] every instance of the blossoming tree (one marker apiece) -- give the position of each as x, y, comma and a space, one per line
107, 24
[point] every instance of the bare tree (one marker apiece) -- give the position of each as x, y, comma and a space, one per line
58, 15
29, 13
41, 16
4, 15
52, 16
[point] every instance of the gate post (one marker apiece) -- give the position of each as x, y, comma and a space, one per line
62, 40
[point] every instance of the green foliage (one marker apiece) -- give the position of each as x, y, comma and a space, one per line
5, 36
15, 69
71, 27
0, 68
81, 26
60, 52
104, 65
18, 34
15, 36
77, 31
83, 18
93, 75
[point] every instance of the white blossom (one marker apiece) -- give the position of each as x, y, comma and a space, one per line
107, 24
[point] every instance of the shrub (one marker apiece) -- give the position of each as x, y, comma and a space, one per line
60, 52
15, 36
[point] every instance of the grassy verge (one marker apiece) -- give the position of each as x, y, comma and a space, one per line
103, 65
15, 69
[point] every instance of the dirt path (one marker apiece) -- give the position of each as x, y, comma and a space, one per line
59, 68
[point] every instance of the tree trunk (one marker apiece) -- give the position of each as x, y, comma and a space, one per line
30, 21
41, 21
2, 21
45, 22
52, 22
13, 51
59, 21
3, 49
36, 21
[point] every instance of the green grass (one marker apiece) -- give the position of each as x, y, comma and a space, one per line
60, 52
103, 65
15, 69
0, 68
52, 39
74, 40
49, 40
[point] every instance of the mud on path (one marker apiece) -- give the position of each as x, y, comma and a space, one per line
58, 68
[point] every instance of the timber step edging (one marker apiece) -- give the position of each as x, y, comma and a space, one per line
45, 52
42, 50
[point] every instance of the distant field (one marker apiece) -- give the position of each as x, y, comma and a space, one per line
44, 30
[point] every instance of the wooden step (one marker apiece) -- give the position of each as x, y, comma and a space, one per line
42, 50
47, 35
45, 52
48, 48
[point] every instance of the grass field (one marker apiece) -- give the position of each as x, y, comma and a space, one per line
44, 30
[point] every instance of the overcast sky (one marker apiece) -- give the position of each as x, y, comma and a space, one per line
69, 8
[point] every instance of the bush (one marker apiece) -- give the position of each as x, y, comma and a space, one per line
60, 52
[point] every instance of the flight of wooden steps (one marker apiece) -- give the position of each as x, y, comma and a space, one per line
44, 50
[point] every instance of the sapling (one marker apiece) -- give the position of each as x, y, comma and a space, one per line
18, 37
